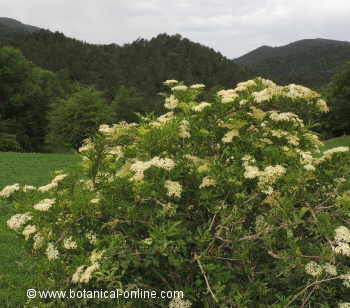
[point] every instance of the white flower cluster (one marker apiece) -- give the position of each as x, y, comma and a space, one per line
88, 145
227, 96
17, 221
69, 243
96, 255
286, 116
38, 241
44, 205
269, 176
163, 119
115, 129
341, 241
174, 188
52, 252
139, 167
171, 102
313, 269
346, 280
170, 82
92, 237
179, 88
197, 86
116, 152
184, 129
28, 188
9, 190
328, 154
53, 184
200, 106
266, 94
83, 273
207, 182
229, 136
177, 302
344, 305
28, 231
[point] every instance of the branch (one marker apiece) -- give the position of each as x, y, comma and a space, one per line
206, 279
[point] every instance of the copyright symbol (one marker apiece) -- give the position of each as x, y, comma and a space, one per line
31, 293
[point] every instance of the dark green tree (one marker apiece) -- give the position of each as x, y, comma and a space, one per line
338, 96
126, 102
76, 118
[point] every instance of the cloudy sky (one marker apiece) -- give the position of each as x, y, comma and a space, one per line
230, 27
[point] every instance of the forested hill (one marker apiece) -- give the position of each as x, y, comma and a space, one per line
9, 27
310, 62
143, 64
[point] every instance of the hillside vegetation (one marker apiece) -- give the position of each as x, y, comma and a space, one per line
311, 62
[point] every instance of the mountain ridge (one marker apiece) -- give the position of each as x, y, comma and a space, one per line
311, 62
10, 26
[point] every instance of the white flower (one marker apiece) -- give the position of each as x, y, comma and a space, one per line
174, 188
48, 187
227, 96
69, 243
170, 82
17, 221
342, 249
344, 305
177, 302
171, 102
335, 150
342, 234
51, 252
9, 190
92, 237
163, 119
198, 86
38, 241
184, 129
309, 167
207, 182
96, 200
87, 146
86, 276
330, 269
116, 151
44, 205
76, 276
313, 269
201, 106
164, 163
346, 280
179, 88
28, 231
59, 178
251, 172
229, 136
96, 255
28, 187
322, 105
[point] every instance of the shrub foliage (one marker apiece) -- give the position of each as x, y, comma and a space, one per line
226, 200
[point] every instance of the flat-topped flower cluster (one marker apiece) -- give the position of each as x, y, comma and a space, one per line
227, 199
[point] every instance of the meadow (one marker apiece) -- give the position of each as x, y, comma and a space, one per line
18, 267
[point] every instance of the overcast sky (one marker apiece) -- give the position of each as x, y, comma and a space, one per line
230, 27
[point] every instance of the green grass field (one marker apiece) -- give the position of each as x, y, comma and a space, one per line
336, 142
18, 268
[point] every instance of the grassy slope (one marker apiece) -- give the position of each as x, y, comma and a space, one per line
18, 267
336, 142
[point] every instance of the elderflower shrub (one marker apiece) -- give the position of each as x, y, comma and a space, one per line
224, 200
